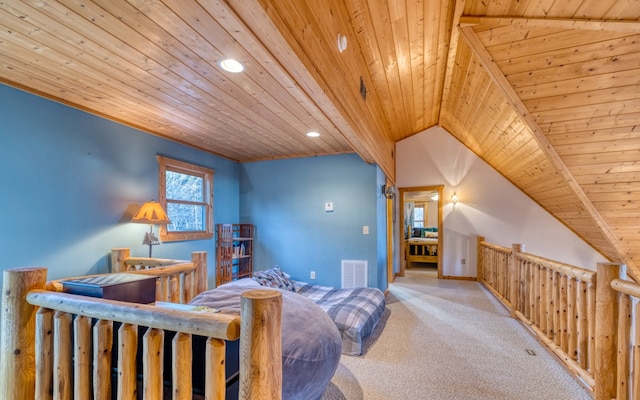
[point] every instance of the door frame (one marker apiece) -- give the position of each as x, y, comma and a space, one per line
401, 238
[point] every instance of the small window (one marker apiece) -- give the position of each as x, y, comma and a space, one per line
418, 219
186, 192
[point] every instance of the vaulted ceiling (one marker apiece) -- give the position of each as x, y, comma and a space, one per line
545, 91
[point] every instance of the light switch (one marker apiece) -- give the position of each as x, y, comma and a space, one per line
365, 230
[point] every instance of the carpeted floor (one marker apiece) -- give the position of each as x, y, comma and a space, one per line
449, 339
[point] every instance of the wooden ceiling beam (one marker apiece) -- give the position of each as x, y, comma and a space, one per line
555, 23
503, 84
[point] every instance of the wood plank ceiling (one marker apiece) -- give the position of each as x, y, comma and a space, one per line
546, 91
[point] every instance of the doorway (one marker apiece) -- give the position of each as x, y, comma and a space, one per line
420, 230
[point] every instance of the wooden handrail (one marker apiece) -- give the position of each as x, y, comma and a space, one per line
40, 326
218, 325
555, 300
585, 317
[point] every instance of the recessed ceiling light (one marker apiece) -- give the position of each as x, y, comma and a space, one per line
231, 65
313, 134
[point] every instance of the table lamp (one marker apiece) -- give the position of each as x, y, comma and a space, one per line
151, 213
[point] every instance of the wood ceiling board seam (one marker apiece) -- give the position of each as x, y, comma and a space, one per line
552, 42
607, 168
286, 112
509, 36
101, 102
545, 118
419, 60
476, 130
593, 124
569, 100
582, 84
205, 115
558, 163
369, 46
590, 179
372, 112
255, 19
538, 8
606, 158
256, 13
602, 69
454, 42
244, 35
465, 109
380, 24
463, 73
401, 38
602, 135
444, 40
598, 147
595, 9
556, 22
624, 9
595, 49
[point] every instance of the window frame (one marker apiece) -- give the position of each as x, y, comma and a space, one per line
169, 164
421, 205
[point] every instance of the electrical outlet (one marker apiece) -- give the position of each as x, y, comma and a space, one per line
463, 261
313, 275
328, 207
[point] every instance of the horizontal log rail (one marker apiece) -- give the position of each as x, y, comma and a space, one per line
221, 326
584, 317
59, 345
178, 280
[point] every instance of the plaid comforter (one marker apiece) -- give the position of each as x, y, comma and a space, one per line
355, 311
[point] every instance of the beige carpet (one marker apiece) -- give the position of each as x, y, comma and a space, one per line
447, 339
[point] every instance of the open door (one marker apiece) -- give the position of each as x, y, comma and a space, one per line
391, 276
420, 223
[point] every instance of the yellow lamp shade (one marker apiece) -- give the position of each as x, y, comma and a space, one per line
151, 212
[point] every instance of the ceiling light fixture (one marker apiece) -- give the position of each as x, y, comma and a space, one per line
313, 134
342, 42
231, 65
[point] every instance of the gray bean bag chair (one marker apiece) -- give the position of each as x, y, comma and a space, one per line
311, 343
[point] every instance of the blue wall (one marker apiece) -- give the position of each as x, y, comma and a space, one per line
285, 200
70, 182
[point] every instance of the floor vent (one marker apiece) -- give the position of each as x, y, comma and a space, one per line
354, 273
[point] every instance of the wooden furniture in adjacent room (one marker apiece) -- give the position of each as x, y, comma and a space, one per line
234, 252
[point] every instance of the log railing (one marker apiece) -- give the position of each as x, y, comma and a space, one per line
188, 278
585, 317
178, 281
59, 345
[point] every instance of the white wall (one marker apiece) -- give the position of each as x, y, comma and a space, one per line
488, 205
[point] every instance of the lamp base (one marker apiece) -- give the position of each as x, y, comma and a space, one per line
150, 239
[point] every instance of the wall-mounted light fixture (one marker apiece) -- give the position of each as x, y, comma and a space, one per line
454, 198
388, 191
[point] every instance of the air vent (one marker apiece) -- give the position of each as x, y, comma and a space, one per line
363, 90
354, 273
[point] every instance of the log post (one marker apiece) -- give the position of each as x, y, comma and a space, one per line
606, 348
199, 259
479, 259
117, 259
514, 281
261, 345
18, 330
